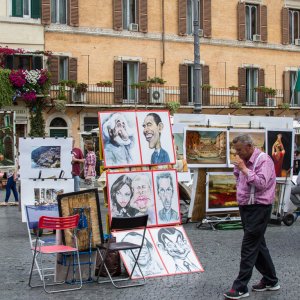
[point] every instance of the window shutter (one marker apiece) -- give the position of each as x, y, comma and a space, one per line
242, 85
17, 8
205, 80
117, 15
143, 78
37, 62
53, 68
73, 19
35, 9
143, 16
9, 62
206, 18
118, 82
285, 26
182, 6
264, 23
286, 87
46, 12
183, 84
73, 68
241, 21
261, 82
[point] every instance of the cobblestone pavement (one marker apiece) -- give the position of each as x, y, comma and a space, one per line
218, 252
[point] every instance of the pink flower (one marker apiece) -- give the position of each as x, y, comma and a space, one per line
29, 96
17, 78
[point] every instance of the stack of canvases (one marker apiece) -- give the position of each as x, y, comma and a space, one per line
213, 148
141, 143
45, 170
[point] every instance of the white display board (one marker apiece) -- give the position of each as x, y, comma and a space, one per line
43, 192
45, 157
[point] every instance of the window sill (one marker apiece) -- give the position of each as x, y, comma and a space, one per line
19, 20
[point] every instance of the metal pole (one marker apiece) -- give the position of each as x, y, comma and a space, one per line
197, 67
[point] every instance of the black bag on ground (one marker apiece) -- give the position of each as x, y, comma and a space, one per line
113, 262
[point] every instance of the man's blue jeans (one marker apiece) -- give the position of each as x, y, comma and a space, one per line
76, 183
11, 185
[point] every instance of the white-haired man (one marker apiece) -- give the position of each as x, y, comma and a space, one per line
118, 141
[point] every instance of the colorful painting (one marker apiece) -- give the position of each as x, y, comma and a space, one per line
258, 136
120, 139
45, 158
276, 206
156, 140
7, 140
280, 148
41, 192
205, 147
220, 192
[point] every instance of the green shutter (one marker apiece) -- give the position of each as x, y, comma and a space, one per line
17, 8
58, 132
35, 9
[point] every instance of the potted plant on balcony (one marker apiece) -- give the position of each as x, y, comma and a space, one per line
233, 88
104, 83
138, 85
234, 104
206, 86
80, 92
172, 106
155, 81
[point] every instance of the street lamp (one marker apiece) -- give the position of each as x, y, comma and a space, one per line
88, 56
197, 66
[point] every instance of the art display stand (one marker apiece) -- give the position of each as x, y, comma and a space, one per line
198, 211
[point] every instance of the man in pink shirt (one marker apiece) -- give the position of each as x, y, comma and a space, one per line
256, 181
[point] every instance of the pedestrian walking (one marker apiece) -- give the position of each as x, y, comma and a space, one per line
256, 181
77, 159
11, 185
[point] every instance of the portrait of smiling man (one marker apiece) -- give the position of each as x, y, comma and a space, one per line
152, 130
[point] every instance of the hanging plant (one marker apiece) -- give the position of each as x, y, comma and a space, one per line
37, 122
7, 91
60, 105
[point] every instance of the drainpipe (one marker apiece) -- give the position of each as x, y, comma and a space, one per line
163, 37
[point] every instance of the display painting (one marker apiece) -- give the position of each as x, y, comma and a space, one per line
45, 158
221, 192
280, 149
156, 140
205, 147
120, 139
258, 137
7, 139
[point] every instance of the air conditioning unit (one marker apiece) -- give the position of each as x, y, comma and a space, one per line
200, 32
256, 38
78, 97
271, 102
157, 94
297, 42
133, 27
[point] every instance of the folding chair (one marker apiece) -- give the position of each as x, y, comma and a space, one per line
55, 223
118, 224
33, 214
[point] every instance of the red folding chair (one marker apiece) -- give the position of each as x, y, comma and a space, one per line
55, 223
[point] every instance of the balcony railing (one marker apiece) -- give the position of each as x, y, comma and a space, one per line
160, 95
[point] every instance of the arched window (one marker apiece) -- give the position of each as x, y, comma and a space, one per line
58, 128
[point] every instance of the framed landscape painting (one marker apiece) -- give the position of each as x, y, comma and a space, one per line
205, 147
45, 157
220, 192
258, 136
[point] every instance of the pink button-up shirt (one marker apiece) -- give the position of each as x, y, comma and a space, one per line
263, 178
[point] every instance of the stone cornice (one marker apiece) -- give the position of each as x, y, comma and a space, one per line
125, 34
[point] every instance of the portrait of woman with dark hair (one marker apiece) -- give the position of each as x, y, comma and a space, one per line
120, 196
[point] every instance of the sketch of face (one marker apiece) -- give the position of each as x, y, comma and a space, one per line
165, 192
123, 195
175, 245
141, 193
119, 133
145, 256
152, 132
